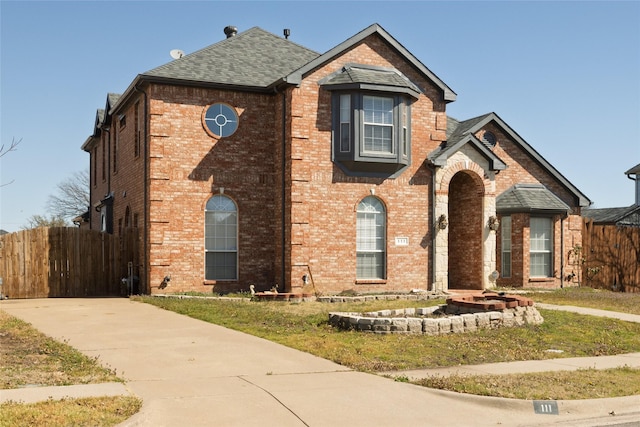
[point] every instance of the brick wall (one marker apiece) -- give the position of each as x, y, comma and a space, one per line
324, 199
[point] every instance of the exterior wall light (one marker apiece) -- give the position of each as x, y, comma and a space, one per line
442, 222
494, 223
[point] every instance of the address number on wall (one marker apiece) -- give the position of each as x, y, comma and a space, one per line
402, 241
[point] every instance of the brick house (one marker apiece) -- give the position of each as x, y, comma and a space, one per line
258, 161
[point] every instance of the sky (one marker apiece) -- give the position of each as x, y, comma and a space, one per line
564, 75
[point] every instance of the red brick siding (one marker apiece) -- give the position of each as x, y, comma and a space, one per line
324, 199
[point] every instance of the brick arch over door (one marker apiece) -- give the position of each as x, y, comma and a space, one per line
466, 191
469, 167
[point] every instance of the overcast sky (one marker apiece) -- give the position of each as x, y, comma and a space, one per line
564, 75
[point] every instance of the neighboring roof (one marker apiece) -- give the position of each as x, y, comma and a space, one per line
295, 77
634, 170
357, 76
458, 135
252, 59
461, 132
619, 216
532, 198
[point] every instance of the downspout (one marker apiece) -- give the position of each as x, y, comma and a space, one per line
107, 130
284, 192
562, 249
432, 211
145, 204
562, 252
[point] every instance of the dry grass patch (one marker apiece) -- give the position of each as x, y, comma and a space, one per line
563, 385
97, 411
28, 357
592, 298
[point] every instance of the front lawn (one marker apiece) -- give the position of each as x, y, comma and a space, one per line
304, 326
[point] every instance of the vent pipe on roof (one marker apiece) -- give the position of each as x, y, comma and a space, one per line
287, 33
230, 31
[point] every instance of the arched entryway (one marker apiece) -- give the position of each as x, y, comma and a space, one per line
466, 192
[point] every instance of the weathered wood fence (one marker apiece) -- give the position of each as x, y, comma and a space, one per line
611, 257
66, 262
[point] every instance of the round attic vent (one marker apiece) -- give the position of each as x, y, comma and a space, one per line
489, 139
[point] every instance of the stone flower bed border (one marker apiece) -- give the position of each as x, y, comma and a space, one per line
457, 319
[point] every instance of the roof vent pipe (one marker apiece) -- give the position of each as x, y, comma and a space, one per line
230, 31
287, 33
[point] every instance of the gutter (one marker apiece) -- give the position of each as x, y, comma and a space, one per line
145, 204
432, 211
284, 191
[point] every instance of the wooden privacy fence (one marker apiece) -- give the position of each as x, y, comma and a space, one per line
66, 262
611, 257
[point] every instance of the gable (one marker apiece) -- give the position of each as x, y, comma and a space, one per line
376, 30
459, 133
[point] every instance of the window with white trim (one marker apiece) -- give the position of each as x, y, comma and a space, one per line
505, 232
371, 239
371, 132
378, 124
541, 247
221, 239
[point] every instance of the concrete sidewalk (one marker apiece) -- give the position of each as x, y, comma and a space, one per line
190, 372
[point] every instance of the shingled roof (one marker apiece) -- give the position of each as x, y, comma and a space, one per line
253, 59
529, 198
462, 132
629, 215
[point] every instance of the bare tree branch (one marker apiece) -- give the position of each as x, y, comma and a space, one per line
12, 147
72, 196
4, 151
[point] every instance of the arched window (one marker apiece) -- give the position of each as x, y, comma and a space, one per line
371, 239
221, 239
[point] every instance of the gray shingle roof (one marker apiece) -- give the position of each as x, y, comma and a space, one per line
458, 132
532, 198
461, 133
620, 216
353, 76
252, 59
457, 129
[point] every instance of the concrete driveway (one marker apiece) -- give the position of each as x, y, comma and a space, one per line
192, 373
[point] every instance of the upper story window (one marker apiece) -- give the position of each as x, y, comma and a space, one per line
378, 124
371, 119
220, 120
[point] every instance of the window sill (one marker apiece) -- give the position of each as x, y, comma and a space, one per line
216, 281
371, 282
541, 279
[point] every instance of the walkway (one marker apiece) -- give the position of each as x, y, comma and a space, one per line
189, 372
